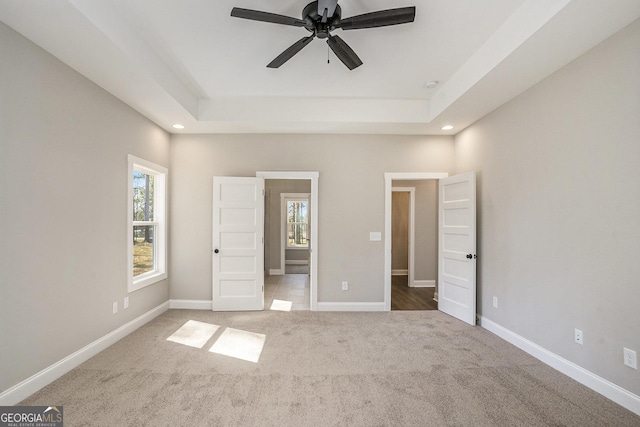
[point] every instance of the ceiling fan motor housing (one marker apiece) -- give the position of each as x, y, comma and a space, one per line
314, 20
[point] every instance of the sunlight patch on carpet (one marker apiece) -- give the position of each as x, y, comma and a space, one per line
239, 344
280, 305
194, 333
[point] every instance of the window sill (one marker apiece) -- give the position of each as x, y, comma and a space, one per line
146, 280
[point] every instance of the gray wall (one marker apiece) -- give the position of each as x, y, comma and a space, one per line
351, 200
559, 202
63, 209
559, 209
400, 209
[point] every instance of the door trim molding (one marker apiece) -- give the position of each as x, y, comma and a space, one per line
389, 177
313, 176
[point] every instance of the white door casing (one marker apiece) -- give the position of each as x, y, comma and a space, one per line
238, 244
457, 246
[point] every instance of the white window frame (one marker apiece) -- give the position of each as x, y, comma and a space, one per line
293, 197
160, 175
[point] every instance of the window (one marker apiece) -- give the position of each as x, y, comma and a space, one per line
297, 223
147, 223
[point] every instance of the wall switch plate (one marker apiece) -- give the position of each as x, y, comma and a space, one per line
126, 302
115, 307
578, 337
345, 286
375, 236
495, 302
630, 358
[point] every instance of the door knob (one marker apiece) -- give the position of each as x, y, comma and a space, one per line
216, 251
469, 256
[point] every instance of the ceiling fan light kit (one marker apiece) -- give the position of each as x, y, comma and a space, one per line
320, 18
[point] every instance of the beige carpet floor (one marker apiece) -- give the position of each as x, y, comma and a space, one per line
401, 368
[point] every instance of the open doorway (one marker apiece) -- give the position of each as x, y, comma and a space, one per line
414, 248
290, 245
287, 239
420, 281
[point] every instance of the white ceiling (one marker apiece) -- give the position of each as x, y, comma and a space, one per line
190, 62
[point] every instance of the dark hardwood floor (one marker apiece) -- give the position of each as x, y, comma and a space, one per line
405, 298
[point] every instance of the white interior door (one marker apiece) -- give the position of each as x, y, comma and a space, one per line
238, 244
457, 246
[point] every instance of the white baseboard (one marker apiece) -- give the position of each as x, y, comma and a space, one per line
296, 262
26, 388
276, 272
423, 284
598, 384
351, 306
400, 272
191, 304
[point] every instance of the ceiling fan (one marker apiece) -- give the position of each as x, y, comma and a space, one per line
320, 18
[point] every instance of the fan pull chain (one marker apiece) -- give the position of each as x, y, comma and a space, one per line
328, 53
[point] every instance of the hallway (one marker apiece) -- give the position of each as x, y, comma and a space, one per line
290, 291
405, 298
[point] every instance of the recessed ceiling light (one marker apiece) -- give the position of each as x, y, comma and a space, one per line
447, 127
431, 84
178, 126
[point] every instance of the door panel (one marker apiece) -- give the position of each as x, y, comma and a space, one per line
238, 231
237, 216
457, 247
238, 240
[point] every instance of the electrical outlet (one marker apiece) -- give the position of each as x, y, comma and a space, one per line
630, 358
495, 302
345, 286
578, 337
126, 302
115, 307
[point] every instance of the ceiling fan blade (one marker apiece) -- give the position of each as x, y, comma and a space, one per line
273, 18
291, 50
328, 5
344, 52
381, 18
